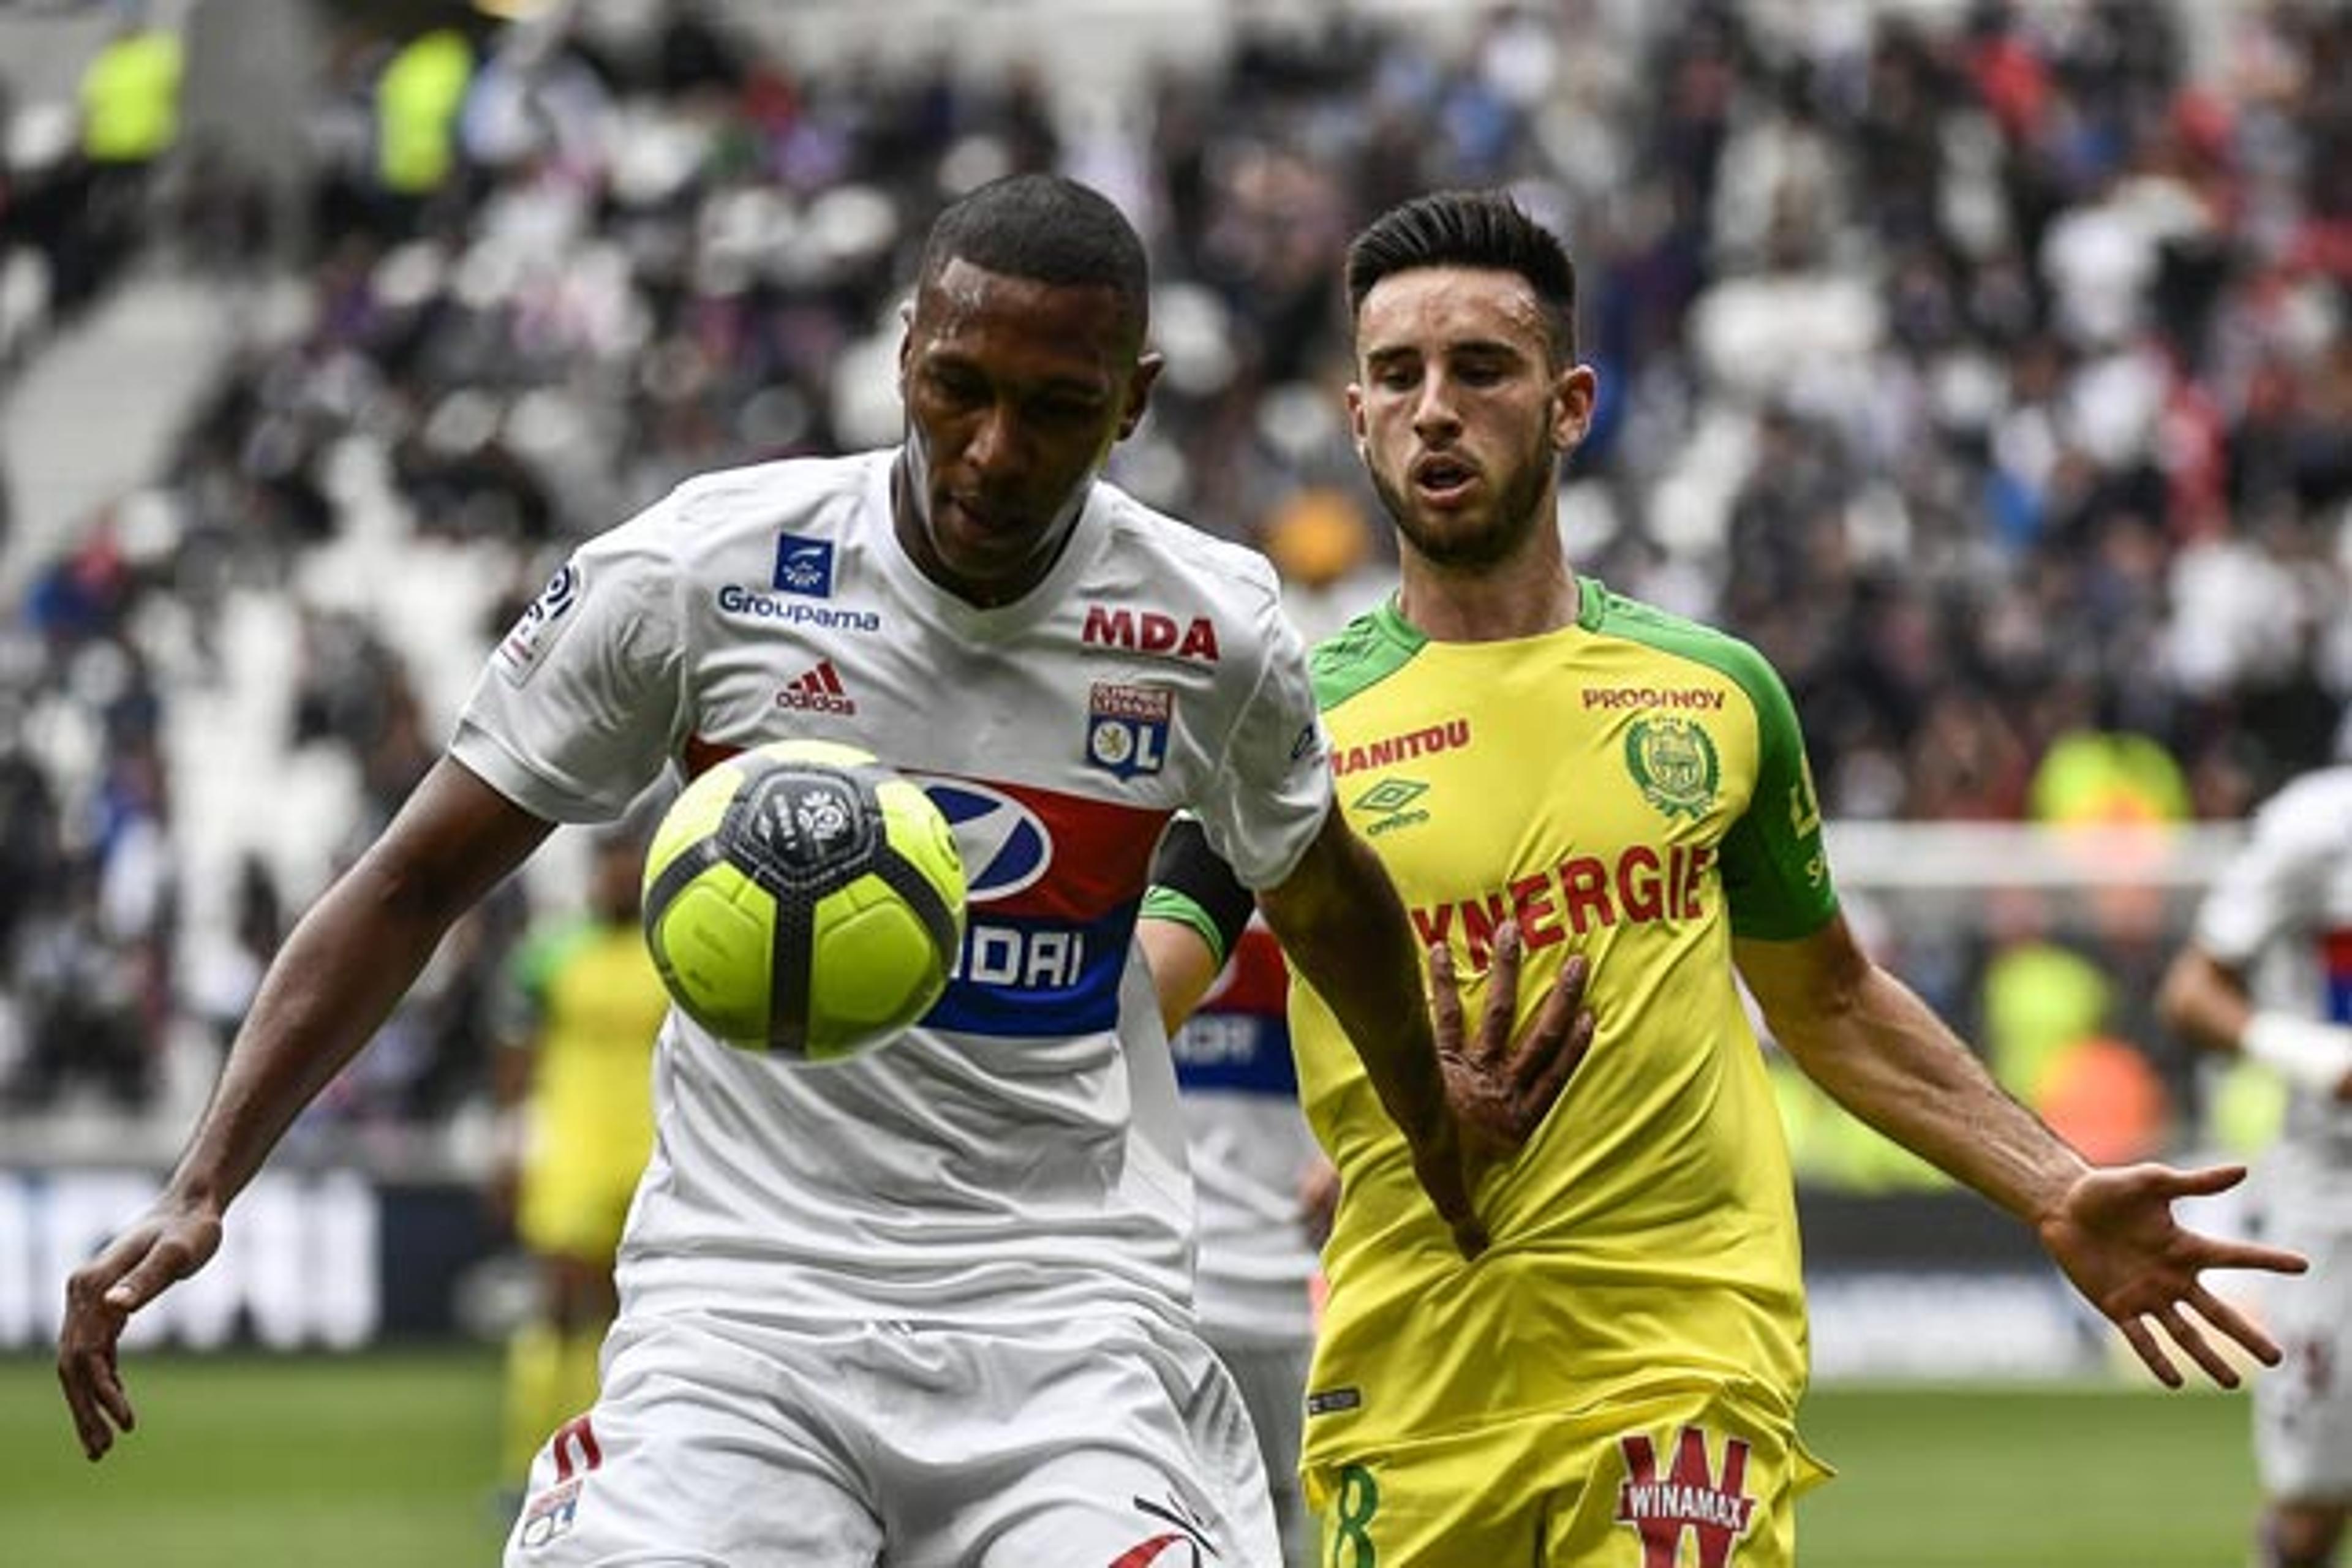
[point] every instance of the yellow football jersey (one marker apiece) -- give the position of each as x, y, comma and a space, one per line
599, 1004
1633, 787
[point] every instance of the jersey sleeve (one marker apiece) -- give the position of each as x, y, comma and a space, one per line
1193, 886
2275, 882
1776, 871
581, 705
1272, 787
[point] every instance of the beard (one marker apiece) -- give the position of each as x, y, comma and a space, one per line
1480, 539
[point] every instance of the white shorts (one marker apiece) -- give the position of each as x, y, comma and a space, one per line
1273, 1382
716, 1445
2302, 1407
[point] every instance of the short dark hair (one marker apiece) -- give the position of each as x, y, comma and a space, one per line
1485, 229
1047, 229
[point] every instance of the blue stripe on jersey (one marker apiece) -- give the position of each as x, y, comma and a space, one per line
2335, 971
1029, 977
1242, 1053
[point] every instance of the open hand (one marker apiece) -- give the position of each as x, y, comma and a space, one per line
1500, 1092
2114, 1235
170, 1242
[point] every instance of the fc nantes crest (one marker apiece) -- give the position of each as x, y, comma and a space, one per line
1673, 761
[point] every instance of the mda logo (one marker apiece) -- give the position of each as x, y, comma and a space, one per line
803, 567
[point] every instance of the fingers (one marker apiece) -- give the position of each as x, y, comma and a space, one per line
1444, 1000
2151, 1351
1502, 1007
100, 1296
2213, 1253
1559, 1036
95, 1399
2229, 1322
86, 1363
165, 1264
2187, 1335
2201, 1183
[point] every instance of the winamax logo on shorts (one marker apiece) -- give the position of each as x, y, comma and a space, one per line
1715, 1510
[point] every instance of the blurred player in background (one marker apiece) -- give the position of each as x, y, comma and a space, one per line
1555, 773
1262, 1186
2267, 973
931, 1304
574, 1085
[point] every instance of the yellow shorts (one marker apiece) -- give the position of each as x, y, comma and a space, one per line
1683, 1479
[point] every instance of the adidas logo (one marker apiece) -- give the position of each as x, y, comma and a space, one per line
818, 691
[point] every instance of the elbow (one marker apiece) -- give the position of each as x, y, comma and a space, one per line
398, 892
2172, 1009
2200, 1002
2184, 998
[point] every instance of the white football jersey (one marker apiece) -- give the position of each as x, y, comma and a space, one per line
1250, 1151
2281, 912
994, 1164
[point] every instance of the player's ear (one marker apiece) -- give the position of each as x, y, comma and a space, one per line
906, 340
1357, 429
1140, 383
1574, 392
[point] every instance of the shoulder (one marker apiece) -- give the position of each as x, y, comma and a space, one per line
1369, 649
1611, 614
1182, 552
1675, 639
2315, 805
788, 490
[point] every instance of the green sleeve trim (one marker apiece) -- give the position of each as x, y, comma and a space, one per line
535, 964
1180, 909
1776, 872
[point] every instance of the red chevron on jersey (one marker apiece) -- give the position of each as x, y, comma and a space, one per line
1254, 981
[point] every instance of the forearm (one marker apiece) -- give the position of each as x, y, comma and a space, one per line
1886, 1057
1349, 939
341, 971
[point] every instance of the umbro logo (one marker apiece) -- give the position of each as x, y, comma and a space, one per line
818, 691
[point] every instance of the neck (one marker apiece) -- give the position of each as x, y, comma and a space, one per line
1495, 603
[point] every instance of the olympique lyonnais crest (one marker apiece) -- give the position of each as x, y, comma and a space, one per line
551, 1513
1717, 1511
1673, 761
1127, 728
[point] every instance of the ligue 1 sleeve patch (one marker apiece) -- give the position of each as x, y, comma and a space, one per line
519, 651
1127, 728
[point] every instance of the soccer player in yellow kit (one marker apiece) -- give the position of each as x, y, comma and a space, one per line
575, 1081
1548, 769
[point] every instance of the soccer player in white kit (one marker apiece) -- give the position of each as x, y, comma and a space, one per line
1264, 1187
2268, 972
929, 1306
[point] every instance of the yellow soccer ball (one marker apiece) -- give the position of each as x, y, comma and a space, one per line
803, 899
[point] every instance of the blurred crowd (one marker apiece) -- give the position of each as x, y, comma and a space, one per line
1986, 365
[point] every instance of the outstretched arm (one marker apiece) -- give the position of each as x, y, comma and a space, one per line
1885, 1056
2207, 1001
333, 983
1344, 930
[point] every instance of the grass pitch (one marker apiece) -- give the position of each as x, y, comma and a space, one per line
389, 1461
